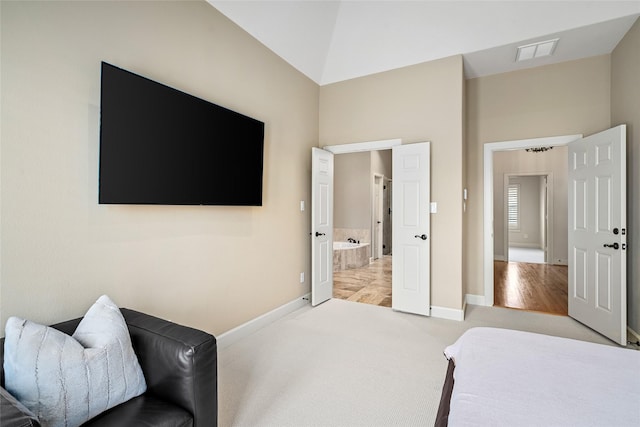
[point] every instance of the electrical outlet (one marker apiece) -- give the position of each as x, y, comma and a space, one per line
302, 277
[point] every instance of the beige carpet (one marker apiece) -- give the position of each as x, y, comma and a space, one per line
349, 364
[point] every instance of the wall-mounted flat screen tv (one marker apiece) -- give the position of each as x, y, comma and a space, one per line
161, 146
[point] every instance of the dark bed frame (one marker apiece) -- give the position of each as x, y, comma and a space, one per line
442, 419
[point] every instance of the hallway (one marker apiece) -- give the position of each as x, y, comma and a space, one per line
534, 287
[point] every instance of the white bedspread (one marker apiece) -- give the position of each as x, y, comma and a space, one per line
513, 378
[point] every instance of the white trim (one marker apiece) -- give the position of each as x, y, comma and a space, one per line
226, 339
447, 313
376, 213
526, 246
489, 149
634, 333
475, 299
357, 147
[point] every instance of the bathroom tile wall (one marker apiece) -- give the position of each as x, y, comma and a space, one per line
342, 234
362, 235
347, 259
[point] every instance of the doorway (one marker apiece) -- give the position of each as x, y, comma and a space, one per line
528, 216
596, 182
524, 275
411, 285
362, 273
494, 243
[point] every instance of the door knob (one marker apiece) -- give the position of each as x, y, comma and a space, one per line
421, 236
319, 234
614, 246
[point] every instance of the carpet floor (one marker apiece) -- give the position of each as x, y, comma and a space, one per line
349, 364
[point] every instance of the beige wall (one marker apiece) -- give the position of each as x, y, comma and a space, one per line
561, 99
381, 163
418, 103
352, 191
552, 162
625, 108
209, 267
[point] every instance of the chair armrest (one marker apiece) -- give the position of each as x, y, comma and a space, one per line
13, 413
179, 364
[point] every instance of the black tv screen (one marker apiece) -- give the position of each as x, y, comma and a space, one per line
159, 145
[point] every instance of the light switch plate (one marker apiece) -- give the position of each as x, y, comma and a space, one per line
434, 207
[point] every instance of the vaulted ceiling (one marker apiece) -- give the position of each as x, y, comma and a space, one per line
330, 41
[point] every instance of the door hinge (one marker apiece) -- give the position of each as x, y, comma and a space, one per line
624, 246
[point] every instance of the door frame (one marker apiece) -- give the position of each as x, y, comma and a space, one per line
377, 211
388, 214
489, 148
548, 212
358, 147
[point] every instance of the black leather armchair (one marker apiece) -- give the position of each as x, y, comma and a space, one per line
179, 365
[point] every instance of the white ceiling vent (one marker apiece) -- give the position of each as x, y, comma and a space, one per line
536, 50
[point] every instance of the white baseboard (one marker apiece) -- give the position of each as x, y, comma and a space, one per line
447, 313
475, 299
499, 258
634, 333
525, 245
239, 332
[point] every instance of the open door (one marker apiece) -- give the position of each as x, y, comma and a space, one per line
597, 232
410, 289
321, 226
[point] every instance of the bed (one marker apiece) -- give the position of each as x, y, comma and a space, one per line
513, 378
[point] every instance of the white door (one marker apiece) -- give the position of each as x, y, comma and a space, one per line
321, 226
410, 289
597, 232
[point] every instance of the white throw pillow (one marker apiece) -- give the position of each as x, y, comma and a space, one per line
65, 381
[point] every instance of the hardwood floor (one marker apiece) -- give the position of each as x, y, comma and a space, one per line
370, 284
524, 286
535, 287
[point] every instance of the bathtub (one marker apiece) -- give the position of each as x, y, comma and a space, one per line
347, 255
